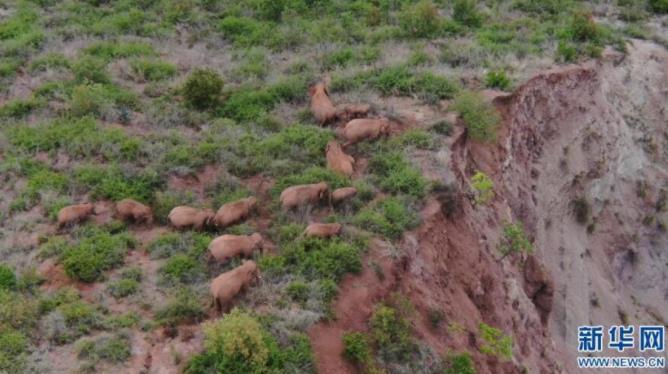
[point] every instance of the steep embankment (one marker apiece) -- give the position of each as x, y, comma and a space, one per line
595, 133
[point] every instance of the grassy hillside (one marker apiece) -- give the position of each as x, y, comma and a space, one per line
203, 102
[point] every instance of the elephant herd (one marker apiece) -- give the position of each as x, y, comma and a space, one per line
226, 247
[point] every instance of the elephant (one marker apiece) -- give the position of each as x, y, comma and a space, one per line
303, 194
227, 246
184, 216
234, 212
131, 210
227, 285
74, 213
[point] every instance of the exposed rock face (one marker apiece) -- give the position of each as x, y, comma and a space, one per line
594, 132
538, 286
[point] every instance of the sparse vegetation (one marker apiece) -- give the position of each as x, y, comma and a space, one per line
514, 240
483, 186
481, 118
496, 343
200, 103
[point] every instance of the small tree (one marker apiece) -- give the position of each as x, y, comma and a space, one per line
495, 342
203, 88
484, 187
514, 240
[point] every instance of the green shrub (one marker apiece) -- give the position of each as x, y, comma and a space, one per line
421, 20
171, 244
465, 12
495, 342
17, 311
391, 333
81, 138
514, 240
396, 175
49, 61
583, 28
298, 291
52, 247
13, 346
484, 187
238, 341
181, 268
318, 259
480, 117
460, 363
101, 100
417, 138
311, 175
356, 348
123, 288
18, 108
79, 318
389, 217
114, 349
497, 79
659, 6
152, 70
203, 88
245, 31
567, 51
183, 307
7, 278
95, 252
112, 182
110, 50
91, 69
248, 104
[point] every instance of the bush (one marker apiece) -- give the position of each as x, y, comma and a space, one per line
152, 70
203, 88
396, 175
356, 348
321, 259
110, 50
183, 307
123, 287
54, 246
17, 311
495, 343
497, 79
421, 20
7, 278
18, 108
171, 244
465, 12
112, 182
238, 341
461, 363
114, 349
389, 217
13, 346
298, 291
583, 28
391, 333
95, 252
659, 6
484, 187
90, 69
514, 240
181, 268
480, 117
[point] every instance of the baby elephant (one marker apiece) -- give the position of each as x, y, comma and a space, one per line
303, 194
343, 193
74, 213
234, 212
365, 128
323, 230
226, 247
182, 217
337, 160
321, 106
227, 285
131, 210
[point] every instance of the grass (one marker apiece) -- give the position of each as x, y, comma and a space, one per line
389, 217
95, 252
